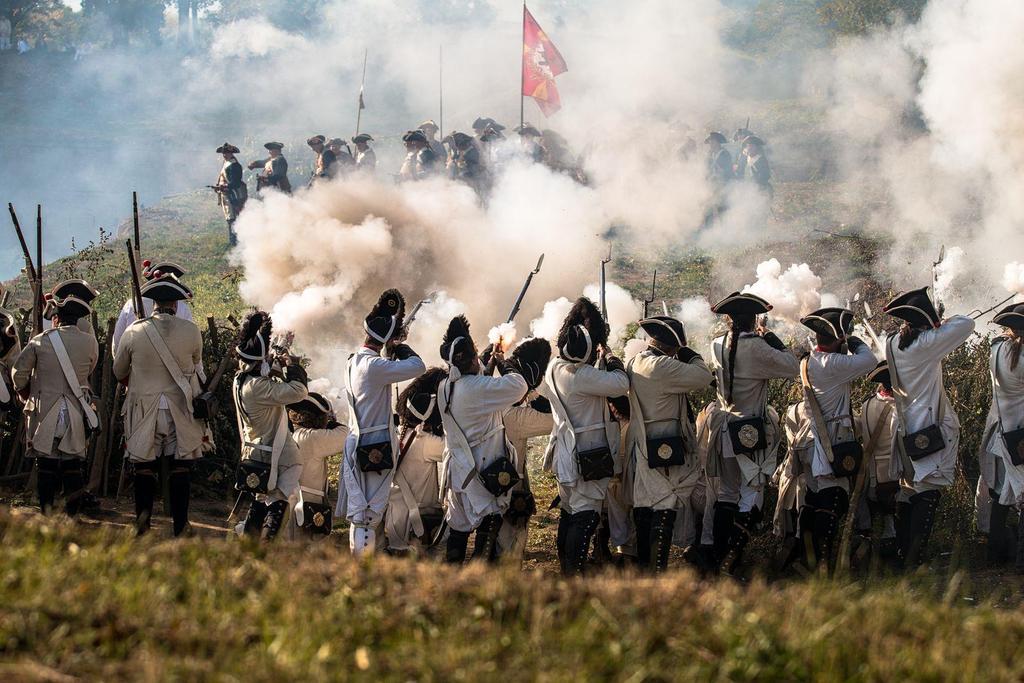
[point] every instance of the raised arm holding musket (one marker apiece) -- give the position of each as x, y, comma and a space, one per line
371, 450
52, 375
157, 360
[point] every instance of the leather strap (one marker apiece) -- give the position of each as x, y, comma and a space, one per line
69, 376
167, 359
898, 393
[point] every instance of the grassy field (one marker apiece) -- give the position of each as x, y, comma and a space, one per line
96, 604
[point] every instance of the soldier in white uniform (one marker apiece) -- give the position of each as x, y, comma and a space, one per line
790, 479
127, 315
531, 418
324, 165
414, 513
662, 437
371, 449
584, 447
875, 514
929, 430
479, 462
263, 389
52, 375
10, 349
157, 357
1002, 447
744, 431
834, 456
420, 160
319, 435
366, 158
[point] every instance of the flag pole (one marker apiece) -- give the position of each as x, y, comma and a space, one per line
522, 71
440, 91
359, 109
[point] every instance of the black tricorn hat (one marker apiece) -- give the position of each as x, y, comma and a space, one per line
583, 330
75, 287
8, 324
253, 343
739, 303
362, 137
485, 122
664, 329
716, 136
167, 287
227, 148
491, 133
429, 123
1012, 316
753, 140
914, 306
274, 145
316, 140
71, 305
150, 269
833, 322
880, 374
460, 140
414, 136
313, 403
457, 343
386, 316
531, 358
526, 130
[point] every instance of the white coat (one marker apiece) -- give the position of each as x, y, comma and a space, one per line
1007, 404
416, 489
363, 496
917, 381
471, 408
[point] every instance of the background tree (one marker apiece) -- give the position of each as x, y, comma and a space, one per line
855, 17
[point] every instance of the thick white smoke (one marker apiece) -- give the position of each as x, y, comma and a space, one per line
792, 293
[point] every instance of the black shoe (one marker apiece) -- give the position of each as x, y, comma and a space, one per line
458, 541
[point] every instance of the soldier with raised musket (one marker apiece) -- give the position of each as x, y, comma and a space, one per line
157, 358
661, 437
835, 454
583, 452
928, 431
52, 375
743, 430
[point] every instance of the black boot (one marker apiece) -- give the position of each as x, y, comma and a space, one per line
564, 521
72, 480
486, 545
805, 533
922, 519
47, 475
458, 541
254, 518
742, 527
997, 532
180, 485
581, 528
902, 531
145, 492
1019, 563
602, 541
832, 503
662, 524
642, 520
274, 519
722, 528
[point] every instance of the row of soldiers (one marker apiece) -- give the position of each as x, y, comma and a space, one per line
468, 158
638, 467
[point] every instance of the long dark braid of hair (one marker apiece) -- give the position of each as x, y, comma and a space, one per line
738, 323
908, 335
1015, 338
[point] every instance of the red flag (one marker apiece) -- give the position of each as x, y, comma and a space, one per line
541, 63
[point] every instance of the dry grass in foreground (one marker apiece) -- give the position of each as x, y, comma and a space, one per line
96, 604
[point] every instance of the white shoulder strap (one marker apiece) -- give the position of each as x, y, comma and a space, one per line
168, 360
71, 378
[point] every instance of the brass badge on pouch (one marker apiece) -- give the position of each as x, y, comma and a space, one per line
921, 441
664, 451
318, 519
748, 436
375, 456
504, 478
252, 480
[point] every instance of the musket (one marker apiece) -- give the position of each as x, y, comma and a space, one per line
867, 326
664, 308
416, 309
135, 226
604, 286
30, 269
40, 302
137, 303
654, 282
935, 277
522, 292
975, 316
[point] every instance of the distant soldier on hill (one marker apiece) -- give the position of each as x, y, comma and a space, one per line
324, 166
366, 158
275, 169
755, 165
230, 188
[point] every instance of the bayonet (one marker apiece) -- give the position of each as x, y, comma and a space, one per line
522, 293
654, 283
604, 287
416, 309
